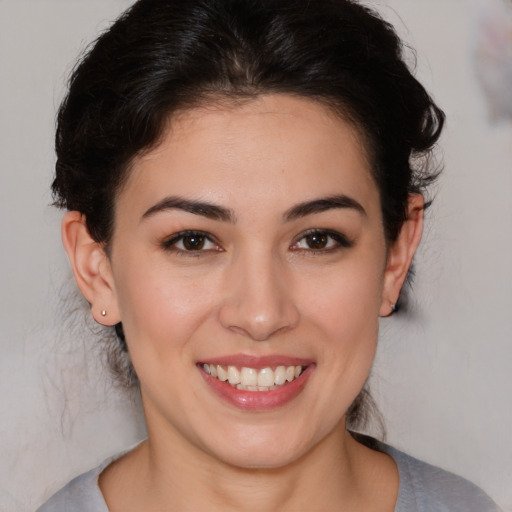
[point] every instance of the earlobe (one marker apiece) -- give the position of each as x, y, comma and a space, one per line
91, 268
401, 253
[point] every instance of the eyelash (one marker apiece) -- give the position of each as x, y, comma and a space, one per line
340, 241
170, 244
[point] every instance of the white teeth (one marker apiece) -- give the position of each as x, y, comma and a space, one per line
280, 376
249, 377
222, 374
252, 388
266, 377
233, 375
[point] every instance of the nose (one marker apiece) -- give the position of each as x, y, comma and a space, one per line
258, 301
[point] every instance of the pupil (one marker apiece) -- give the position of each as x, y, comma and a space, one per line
317, 241
193, 242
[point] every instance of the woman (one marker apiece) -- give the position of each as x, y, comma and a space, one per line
245, 185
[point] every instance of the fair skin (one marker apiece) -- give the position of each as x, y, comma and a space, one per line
249, 284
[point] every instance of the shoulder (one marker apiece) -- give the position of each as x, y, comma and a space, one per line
82, 494
424, 487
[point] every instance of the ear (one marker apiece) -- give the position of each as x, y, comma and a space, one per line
91, 268
400, 254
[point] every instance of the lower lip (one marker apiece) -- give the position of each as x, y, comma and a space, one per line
259, 400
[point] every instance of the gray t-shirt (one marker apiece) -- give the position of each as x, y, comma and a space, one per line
423, 488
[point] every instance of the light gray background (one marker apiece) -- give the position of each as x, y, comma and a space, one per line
442, 375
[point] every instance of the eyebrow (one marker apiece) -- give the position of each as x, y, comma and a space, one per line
215, 212
209, 210
323, 204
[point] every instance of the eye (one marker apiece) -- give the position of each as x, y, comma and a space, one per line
321, 240
190, 241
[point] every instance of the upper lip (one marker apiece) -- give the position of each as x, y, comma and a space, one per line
257, 362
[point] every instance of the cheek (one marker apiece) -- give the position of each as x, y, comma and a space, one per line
343, 310
345, 301
161, 306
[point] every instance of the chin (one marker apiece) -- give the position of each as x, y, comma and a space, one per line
259, 459
262, 448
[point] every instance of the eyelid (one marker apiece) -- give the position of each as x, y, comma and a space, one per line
342, 241
169, 243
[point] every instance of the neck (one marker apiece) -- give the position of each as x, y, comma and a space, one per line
337, 474
201, 482
158, 476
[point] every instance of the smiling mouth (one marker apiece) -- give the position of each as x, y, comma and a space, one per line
252, 379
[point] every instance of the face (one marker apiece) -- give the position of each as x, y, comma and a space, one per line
249, 246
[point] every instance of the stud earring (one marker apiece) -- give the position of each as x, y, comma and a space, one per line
393, 308
103, 312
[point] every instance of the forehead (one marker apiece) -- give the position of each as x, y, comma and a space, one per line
273, 146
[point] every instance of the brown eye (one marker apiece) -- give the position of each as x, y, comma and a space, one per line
317, 240
190, 241
194, 242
